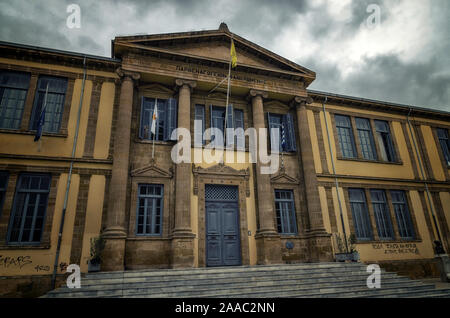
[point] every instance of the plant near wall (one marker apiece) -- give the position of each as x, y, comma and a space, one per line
346, 253
97, 246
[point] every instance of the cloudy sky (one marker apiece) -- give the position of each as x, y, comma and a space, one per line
404, 59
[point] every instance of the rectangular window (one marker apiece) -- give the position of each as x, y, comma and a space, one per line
54, 103
284, 205
149, 209
405, 225
382, 215
3, 186
218, 122
13, 92
165, 122
285, 124
360, 213
345, 134
235, 120
445, 144
29, 209
366, 139
384, 140
199, 130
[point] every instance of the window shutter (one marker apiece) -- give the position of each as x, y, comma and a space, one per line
288, 123
269, 125
198, 135
171, 121
144, 131
239, 123
211, 124
230, 124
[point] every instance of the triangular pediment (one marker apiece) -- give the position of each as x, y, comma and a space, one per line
156, 87
283, 178
151, 171
214, 46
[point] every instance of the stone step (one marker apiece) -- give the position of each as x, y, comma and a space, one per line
210, 270
229, 277
293, 280
230, 283
330, 291
417, 294
232, 289
149, 275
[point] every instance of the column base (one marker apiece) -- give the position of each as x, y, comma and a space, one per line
268, 248
182, 250
113, 255
320, 248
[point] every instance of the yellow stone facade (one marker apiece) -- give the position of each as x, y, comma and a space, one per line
103, 180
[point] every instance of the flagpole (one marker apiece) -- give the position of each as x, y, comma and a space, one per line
226, 107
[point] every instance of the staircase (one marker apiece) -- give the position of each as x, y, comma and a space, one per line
299, 280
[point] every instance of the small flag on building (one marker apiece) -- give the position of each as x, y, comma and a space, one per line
283, 138
41, 121
233, 55
155, 116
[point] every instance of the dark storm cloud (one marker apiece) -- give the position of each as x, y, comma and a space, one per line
385, 76
29, 29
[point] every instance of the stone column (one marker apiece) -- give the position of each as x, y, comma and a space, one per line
182, 236
267, 239
320, 242
115, 232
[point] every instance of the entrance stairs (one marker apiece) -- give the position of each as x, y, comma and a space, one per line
269, 281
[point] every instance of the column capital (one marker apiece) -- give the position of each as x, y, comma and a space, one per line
254, 92
127, 75
299, 101
180, 82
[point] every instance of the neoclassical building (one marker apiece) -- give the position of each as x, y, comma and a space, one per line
374, 170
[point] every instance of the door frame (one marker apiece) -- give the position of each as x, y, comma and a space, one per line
236, 204
218, 175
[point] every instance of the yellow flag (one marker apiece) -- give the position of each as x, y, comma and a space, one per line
233, 55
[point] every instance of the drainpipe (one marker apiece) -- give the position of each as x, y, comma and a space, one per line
334, 174
423, 177
69, 178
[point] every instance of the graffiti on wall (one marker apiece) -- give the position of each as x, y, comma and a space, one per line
397, 248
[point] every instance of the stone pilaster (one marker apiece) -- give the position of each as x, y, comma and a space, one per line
320, 241
182, 236
268, 241
115, 232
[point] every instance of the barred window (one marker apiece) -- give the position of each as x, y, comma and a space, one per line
29, 209
149, 209
382, 215
360, 213
444, 141
54, 103
285, 210
366, 138
405, 225
13, 92
385, 141
345, 134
